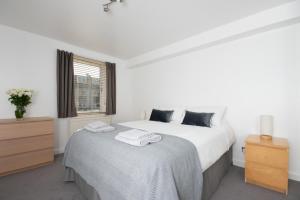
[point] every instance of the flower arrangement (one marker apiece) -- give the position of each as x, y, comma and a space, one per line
20, 98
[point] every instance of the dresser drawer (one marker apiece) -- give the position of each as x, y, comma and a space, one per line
267, 176
19, 130
274, 157
20, 161
22, 145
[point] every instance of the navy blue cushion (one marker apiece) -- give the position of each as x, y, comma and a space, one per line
197, 119
161, 115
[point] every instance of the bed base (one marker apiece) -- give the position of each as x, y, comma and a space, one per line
215, 173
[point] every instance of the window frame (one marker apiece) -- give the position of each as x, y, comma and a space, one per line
96, 63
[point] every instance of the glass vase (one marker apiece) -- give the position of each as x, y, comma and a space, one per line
19, 112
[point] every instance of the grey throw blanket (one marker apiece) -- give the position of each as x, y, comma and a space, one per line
167, 170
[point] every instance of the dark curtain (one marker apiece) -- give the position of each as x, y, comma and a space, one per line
65, 85
110, 88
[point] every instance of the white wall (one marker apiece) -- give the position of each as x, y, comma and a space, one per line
252, 76
260, 22
28, 60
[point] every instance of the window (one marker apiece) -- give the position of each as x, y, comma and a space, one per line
89, 85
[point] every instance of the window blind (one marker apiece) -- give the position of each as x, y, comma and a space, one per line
90, 85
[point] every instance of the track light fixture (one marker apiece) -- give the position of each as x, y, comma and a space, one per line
106, 5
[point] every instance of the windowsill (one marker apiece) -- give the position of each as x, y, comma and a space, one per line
90, 115
89, 112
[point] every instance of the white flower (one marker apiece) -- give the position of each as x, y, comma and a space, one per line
20, 92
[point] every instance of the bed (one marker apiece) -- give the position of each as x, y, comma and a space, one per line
199, 157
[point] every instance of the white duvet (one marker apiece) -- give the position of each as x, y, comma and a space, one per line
211, 143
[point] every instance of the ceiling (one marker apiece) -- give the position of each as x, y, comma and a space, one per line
131, 28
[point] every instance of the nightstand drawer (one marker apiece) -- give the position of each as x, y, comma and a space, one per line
25, 160
20, 130
274, 157
265, 176
22, 145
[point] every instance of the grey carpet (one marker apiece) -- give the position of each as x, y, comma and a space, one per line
46, 183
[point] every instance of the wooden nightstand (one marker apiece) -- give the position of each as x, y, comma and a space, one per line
267, 163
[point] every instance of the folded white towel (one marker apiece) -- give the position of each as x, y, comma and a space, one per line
155, 138
139, 142
135, 134
97, 124
100, 130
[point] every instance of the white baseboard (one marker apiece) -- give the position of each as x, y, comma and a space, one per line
239, 163
59, 150
292, 175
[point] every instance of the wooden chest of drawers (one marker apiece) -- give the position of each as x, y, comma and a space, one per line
25, 144
267, 163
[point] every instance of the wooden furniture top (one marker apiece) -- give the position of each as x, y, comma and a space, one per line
275, 142
25, 120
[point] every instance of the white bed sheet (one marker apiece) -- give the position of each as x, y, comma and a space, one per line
211, 143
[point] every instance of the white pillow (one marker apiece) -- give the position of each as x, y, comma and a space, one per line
148, 114
217, 117
178, 113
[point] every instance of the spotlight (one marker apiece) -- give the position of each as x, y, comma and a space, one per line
106, 5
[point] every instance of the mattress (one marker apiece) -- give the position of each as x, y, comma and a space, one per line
211, 143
